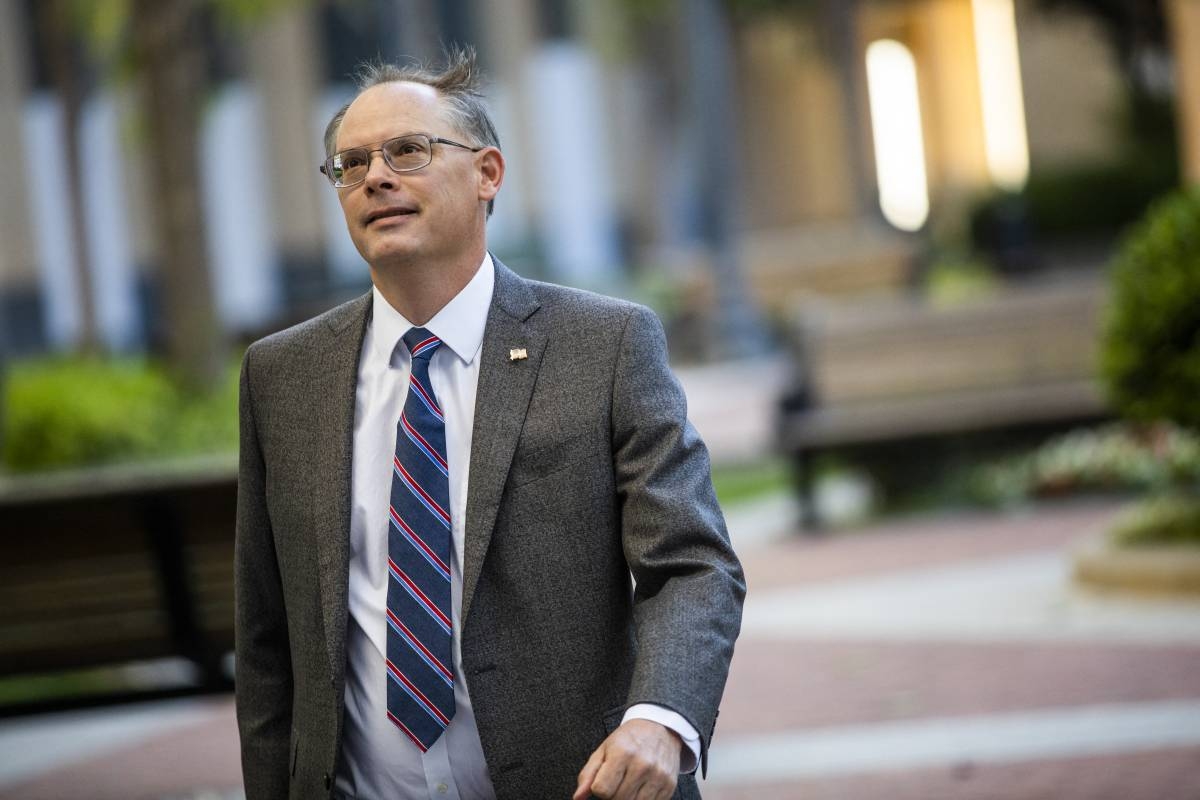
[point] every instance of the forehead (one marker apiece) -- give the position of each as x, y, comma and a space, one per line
388, 110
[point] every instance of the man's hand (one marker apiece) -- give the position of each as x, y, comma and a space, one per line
638, 761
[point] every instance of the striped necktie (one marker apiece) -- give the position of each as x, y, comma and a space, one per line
420, 692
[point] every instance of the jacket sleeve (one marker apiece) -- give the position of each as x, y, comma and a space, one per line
689, 583
264, 671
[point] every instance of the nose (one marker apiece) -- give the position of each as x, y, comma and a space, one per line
379, 174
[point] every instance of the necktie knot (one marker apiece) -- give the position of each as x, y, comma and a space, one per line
421, 343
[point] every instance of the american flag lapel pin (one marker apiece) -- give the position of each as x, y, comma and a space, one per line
517, 354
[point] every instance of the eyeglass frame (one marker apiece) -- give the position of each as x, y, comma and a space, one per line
326, 167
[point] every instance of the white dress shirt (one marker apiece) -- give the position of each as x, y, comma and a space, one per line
378, 761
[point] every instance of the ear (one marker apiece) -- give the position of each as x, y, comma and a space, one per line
491, 172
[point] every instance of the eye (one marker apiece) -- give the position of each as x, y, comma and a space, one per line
351, 160
405, 148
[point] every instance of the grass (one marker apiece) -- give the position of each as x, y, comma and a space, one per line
50, 686
740, 483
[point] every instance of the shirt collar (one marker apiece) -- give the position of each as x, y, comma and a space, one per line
459, 323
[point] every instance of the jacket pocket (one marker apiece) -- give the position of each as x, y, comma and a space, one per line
533, 465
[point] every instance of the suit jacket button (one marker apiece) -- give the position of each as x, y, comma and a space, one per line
328, 781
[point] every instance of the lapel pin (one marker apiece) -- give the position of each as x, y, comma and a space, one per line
517, 354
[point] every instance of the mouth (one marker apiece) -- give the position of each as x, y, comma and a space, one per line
390, 212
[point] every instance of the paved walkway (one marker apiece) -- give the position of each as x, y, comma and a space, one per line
951, 657
941, 657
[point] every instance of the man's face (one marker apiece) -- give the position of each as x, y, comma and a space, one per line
434, 213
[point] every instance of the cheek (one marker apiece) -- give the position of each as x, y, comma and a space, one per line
348, 212
461, 191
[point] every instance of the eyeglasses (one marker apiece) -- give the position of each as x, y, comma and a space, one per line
407, 153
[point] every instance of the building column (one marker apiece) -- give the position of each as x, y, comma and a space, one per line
943, 41
22, 315
507, 35
284, 57
1184, 17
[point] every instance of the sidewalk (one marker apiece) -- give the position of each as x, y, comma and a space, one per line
943, 657
952, 658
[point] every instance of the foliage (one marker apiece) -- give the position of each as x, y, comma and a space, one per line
1091, 198
79, 411
952, 279
1151, 349
1114, 458
104, 24
745, 482
22, 689
1076, 200
1172, 520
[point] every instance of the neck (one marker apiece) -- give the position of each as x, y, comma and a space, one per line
420, 289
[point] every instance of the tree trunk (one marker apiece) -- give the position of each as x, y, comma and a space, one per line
64, 74
713, 116
169, 57
839, 19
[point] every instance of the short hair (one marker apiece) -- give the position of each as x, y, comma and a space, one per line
459, 83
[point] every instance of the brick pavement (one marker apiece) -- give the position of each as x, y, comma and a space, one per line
1170, 774
810, 682
198, 760
920, 541
838, 683
812, 679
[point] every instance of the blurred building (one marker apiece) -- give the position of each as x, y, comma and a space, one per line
846, 134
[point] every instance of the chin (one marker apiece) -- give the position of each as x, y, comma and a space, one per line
390, 251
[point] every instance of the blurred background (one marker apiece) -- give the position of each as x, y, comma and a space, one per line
930, 274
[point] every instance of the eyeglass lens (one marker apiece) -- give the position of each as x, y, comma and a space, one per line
403, 154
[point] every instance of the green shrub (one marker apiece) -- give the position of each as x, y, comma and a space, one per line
78, 412
1114, 458
951, 280
1150, 357
1095, 198
1071, 202
1169, 520
1091, 199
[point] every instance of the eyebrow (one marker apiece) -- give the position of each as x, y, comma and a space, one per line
388, 139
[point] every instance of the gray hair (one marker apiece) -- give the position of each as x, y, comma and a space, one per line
458, 83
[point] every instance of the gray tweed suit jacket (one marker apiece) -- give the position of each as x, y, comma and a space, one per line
583, 470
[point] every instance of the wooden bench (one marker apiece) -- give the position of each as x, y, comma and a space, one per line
116, 565
899, 371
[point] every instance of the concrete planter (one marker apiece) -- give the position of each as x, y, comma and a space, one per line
1163, 570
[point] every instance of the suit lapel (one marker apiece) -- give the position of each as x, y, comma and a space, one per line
334, 379
502, 399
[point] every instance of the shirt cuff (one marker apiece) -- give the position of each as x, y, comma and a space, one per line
689, 755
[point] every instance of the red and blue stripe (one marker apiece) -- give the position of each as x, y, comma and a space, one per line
421, 650
416, 694
424, 497
422, 599
424, 446
424, 345
426, 398
404, 728
419, 543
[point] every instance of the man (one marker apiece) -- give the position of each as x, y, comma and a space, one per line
445, 486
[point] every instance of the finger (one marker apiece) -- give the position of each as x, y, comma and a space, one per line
665, 789
608, 779
588, 774
654, 785
649, 781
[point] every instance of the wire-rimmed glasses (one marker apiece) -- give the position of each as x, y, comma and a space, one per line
407, 153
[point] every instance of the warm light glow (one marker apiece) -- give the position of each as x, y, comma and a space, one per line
896, 128
1000, 90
